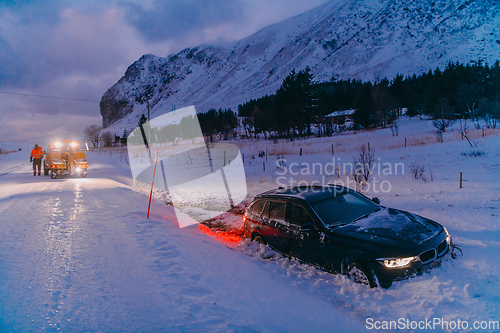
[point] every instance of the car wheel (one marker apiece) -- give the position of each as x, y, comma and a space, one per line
259, 239
53, 175
45, 170
361, 273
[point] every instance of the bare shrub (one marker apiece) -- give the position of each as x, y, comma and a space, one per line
107, 139
443, 115
417, 171
474, 153
281, 161
361, 184
464, 131
489, 121
93, 134
363, 163
395, 128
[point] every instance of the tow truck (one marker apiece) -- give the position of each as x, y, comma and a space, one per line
65, 157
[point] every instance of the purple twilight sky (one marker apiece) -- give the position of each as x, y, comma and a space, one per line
77, 50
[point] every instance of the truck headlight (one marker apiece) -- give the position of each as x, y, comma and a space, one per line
397, 262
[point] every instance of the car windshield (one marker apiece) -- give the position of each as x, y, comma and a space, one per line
344, 208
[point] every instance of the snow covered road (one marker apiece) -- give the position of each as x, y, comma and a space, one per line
79, 255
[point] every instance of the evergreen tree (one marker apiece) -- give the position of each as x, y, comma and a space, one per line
385, 104
124, 137
294, 102
365, 107
471, 91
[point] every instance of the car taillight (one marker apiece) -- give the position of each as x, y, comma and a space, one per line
54, 166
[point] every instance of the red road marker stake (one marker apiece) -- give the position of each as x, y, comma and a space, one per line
152, 183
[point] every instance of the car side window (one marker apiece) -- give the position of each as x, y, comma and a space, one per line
265, 212
257, 207
298, 215
277, 210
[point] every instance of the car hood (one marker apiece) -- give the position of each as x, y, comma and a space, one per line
391, 228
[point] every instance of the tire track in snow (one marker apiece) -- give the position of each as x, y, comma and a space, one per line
6, 172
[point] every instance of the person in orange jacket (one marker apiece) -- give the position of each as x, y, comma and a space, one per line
36, 157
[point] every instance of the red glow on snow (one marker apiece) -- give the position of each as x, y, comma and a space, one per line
229, 238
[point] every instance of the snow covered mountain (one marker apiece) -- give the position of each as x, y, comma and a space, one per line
344, 39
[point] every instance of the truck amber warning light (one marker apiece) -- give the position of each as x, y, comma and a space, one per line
203, 180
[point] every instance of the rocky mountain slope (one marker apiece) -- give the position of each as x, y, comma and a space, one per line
343, 39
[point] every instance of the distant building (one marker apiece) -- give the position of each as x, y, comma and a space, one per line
340, 117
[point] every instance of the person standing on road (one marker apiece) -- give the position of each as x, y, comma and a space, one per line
36, 157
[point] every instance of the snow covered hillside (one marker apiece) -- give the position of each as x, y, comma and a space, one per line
80, 255
344, 39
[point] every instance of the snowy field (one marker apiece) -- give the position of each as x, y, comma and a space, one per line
80, 255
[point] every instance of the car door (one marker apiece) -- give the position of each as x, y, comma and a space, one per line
276, 212
308, 238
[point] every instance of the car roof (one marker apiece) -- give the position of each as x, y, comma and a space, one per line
311, 194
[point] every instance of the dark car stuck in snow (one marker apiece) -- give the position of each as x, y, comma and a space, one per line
343, 231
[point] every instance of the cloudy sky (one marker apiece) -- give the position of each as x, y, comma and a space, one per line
76, 50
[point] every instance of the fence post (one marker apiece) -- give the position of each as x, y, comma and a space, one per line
405, 142
338, 170
263, 166
300, 151
460, 180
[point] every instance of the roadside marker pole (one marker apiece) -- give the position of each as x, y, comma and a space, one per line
152, 182
460, 180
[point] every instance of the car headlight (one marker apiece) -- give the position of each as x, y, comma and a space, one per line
448, 237
397, 262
